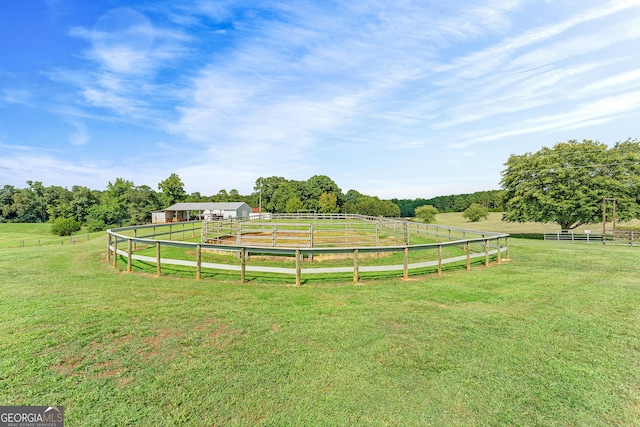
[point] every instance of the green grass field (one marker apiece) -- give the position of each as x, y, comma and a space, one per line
494, 223
33, 235
551, 338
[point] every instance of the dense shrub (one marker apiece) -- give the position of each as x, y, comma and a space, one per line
427, 213
95, 225
475, 213
65, 226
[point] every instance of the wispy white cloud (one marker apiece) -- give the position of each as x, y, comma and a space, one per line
22, 163
293, 88
620, 82
129, 52
317, 71
80, 136
588, 114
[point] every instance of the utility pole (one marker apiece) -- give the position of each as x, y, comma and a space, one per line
260, 202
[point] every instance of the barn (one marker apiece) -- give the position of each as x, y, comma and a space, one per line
188, 211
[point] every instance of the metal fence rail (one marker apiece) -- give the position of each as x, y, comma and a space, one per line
123, 241
618, 237
571, 236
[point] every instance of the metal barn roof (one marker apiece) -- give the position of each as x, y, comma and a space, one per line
202, 206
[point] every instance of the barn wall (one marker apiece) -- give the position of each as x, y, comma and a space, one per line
158, 218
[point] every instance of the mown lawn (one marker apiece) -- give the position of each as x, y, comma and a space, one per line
550, 338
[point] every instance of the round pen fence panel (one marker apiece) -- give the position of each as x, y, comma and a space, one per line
297, 238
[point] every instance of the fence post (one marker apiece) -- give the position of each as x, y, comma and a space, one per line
506, 243
115, 252
467, 248
486, 252
108, 248
405, 268
298, 269
405, 230
243, 264
310, 229
129, 254
499, 251
198, 261
355, 266
158, 266
439, 260
273, 235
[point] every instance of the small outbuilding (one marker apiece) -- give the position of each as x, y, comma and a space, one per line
188, 211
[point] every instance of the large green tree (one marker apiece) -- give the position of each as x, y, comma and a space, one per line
351, 201
566, 184
172, 190
28, 204
266, 189
82, 200
58, 202
328, 203
318, 185
7, 212
373, 206
142, 200
115, 204
286, 191
294, 205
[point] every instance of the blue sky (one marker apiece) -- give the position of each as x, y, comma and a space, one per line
399, 99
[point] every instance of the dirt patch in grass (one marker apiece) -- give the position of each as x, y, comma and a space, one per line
114, 356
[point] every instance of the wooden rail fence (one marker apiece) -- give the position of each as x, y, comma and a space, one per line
122, 242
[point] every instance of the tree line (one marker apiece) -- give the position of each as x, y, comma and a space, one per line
317, 194
493, 200
124, 203
565, 184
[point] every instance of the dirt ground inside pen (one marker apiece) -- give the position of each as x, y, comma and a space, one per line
327, 241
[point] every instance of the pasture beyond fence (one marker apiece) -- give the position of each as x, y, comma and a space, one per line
302, 236
46, 241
